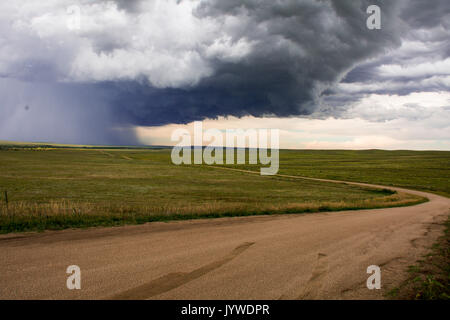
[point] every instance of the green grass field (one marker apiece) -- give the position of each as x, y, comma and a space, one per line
420, 170
60, 187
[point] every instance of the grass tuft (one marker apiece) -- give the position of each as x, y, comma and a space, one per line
430, 278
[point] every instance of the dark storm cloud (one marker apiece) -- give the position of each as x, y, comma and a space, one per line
300, 49
143, 65
428, 14
129, 5
420, 65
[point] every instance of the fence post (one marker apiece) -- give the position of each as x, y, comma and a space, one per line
6, 201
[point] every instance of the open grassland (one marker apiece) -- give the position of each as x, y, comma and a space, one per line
55, 188
421, 170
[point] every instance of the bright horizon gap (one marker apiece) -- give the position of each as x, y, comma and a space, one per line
323, 134
143, 146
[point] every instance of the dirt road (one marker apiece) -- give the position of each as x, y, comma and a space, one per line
305, 256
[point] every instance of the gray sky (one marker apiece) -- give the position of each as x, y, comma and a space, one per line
132, 70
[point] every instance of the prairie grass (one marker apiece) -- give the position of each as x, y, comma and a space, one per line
420, 170
25, 216
56, 187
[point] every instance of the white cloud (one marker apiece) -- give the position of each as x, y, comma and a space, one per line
414, 106
165, 43
417, 70
227, 50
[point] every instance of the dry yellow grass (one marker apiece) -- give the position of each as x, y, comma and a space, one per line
64, 208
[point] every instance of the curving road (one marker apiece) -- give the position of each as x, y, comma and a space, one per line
305, 256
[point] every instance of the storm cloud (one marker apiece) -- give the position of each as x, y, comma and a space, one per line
149, 63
